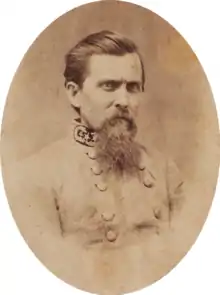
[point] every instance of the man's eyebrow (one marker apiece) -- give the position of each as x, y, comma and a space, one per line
134, 82
116, 82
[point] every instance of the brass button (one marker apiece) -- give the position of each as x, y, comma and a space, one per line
147, 182
141, 166
157, 213
107, 216
111, 236
92, 154
96, 169
101, 186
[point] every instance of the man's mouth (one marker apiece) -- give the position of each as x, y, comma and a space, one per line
119, 125
130, 123
117, 119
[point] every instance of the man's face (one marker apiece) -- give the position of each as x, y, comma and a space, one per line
112, 89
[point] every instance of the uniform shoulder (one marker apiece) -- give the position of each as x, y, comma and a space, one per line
40, 166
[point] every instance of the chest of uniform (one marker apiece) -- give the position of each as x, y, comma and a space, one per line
121, 202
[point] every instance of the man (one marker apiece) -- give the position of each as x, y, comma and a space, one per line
104, 79
100, 193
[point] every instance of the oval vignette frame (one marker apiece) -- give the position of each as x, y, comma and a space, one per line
163, 67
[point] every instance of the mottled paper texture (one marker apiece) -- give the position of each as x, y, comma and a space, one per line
177, 119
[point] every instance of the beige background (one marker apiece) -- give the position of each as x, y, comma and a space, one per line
178, 115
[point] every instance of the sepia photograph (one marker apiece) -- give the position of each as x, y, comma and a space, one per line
110, 147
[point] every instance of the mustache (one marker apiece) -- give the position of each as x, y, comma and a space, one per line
124, 114
123, 117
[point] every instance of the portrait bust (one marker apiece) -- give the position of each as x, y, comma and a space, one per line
106, 199
124, 193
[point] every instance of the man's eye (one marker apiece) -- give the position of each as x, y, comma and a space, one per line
109, 86
133, 87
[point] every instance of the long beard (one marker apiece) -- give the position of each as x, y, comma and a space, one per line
116, 150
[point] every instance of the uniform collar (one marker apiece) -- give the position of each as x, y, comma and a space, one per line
82, 134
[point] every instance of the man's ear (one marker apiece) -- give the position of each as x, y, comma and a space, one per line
72, 90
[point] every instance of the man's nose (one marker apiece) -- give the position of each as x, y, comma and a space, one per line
122, 100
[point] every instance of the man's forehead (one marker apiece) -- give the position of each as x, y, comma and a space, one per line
108, 66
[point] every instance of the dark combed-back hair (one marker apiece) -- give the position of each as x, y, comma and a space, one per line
104, 42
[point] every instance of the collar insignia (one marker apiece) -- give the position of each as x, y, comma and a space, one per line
84, 135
